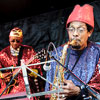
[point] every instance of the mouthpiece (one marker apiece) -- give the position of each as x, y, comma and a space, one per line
73, 42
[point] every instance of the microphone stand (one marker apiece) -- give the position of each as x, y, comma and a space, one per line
90, 90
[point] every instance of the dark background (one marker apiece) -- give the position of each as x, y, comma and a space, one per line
42, 21
16, 9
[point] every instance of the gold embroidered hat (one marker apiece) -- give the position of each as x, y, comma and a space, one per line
16, 32
83, 14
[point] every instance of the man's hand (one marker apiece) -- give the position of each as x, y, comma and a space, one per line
69, 89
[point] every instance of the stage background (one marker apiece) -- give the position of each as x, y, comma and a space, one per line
40, 30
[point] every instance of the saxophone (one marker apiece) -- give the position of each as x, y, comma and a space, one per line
59, 80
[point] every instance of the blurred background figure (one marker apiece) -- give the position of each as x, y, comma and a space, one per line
11, 56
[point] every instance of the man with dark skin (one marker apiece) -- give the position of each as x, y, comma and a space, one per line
82, 56
11, 56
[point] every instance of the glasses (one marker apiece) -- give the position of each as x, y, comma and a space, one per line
79, 30
18, 41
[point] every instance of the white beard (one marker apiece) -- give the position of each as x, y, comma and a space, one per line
14, 52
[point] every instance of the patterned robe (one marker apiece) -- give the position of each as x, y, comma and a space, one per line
87, 67
8, 60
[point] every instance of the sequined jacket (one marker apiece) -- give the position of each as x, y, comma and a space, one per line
8, 60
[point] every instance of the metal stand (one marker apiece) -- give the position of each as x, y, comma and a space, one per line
90, 90
25, 77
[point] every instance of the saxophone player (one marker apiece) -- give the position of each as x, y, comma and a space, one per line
82, 56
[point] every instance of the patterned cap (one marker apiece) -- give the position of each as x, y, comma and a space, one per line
16, 32
83, 14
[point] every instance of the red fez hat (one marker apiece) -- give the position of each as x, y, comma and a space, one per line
82, 14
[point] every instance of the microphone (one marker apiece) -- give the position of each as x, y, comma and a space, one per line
47, 66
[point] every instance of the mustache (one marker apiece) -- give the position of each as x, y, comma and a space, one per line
75, 43
75, 40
